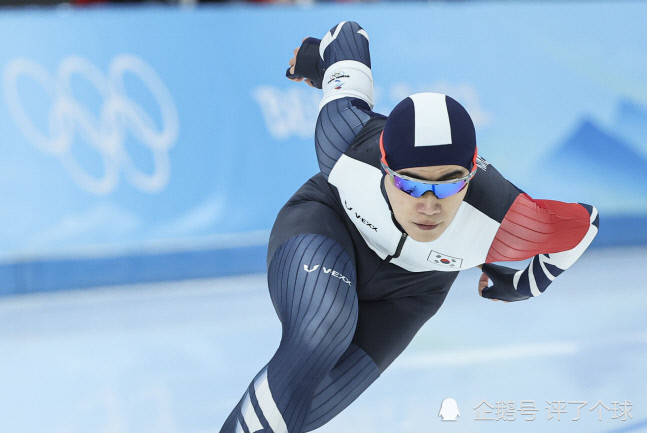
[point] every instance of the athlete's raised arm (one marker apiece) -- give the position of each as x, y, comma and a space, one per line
553, 233
340, 64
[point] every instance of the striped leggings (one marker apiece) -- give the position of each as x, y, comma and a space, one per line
317, 371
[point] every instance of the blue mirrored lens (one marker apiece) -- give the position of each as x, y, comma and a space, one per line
417, 189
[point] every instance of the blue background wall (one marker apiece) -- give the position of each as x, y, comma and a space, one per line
147, 144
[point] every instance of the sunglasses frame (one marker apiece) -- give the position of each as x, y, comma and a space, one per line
393, 174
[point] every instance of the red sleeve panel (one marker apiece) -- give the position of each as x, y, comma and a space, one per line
532, 227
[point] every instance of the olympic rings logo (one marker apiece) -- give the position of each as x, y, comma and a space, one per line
106, 133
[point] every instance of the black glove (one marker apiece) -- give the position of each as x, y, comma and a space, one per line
502, 287
308, 63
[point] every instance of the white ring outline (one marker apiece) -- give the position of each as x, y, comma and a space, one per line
105, 133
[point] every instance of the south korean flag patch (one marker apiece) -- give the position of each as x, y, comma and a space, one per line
444, 260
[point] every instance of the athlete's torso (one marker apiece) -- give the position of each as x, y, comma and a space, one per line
358, 187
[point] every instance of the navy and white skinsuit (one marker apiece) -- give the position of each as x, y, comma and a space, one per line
351, 289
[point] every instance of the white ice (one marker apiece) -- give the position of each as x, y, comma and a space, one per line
176, 357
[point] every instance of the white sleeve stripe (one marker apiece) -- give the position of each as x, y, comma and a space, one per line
328, 38
531, 279
363, 33
594, 215
542, 259
268, 405
516, 278
565, 259
239, 428
249, 415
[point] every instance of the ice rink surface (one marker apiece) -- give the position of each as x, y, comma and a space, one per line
176, 357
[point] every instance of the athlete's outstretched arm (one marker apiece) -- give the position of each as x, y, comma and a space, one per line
553, 233
340, 64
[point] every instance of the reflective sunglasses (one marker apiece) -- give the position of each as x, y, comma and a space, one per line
417, 187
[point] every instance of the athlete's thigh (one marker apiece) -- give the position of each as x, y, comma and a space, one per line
385, 327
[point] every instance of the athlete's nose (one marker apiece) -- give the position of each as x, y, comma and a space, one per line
428, 204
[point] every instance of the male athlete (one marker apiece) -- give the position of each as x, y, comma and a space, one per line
365, 252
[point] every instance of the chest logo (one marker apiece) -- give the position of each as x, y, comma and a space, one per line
359, 217
444, 260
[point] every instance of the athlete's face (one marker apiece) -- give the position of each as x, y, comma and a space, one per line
425, 218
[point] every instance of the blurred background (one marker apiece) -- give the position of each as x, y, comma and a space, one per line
146, 148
